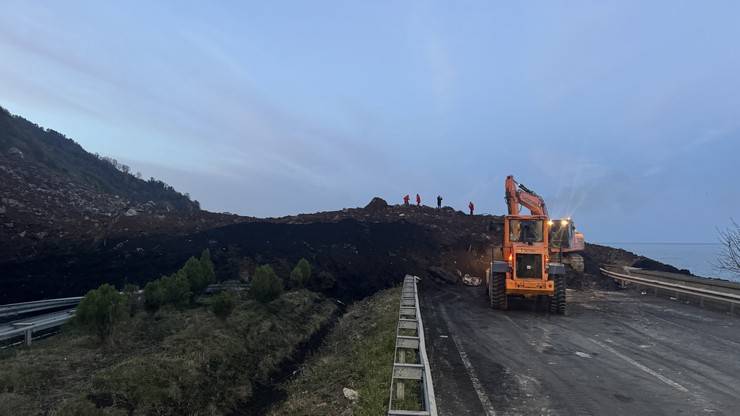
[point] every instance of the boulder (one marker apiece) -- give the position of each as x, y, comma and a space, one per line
351, 395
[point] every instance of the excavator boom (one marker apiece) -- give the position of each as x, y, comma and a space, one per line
518, 194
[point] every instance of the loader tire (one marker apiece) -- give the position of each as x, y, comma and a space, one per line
497, 291
557, 301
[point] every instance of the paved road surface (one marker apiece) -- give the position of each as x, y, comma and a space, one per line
615, 353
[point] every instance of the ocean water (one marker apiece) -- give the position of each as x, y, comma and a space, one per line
697, 257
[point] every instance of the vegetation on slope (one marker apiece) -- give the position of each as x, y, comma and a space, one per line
357, 354
183, 354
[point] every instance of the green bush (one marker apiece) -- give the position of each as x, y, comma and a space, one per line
301, 274
266, 286
222, 304
153, 296
100, 310
176, 289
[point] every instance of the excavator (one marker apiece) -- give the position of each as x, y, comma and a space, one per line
525, 268
565, 240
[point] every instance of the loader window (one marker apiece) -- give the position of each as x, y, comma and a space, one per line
526, 231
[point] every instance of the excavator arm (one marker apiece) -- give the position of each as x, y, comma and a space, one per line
518, 194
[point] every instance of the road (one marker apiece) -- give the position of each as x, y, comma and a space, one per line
614, 353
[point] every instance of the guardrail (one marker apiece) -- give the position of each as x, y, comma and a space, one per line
28, 327
411, 379
730, 298
13, 309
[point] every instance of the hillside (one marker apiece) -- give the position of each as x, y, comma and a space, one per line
52, 189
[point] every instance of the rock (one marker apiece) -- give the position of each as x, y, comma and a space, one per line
443, 274
3, 210
41, 235
130, 213
14, 151
23, 234
376, 204
351, 395
471, 280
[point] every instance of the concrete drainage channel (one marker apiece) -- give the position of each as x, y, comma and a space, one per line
412, 391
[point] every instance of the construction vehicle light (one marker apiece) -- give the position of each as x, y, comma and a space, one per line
563, 222
549, 222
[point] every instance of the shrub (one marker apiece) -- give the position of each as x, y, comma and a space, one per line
176, 289
301, 274
222, 304
100, 310
266, 286
153, 296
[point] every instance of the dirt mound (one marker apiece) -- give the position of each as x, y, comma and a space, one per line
376, 204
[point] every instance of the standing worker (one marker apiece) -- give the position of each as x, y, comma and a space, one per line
406, 200
439, 201
418, 200
472, 207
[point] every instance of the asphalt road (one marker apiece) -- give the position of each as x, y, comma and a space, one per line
614, 353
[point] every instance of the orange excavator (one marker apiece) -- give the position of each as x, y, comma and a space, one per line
525, 269
565, 240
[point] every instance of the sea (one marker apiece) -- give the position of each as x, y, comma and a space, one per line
699, 258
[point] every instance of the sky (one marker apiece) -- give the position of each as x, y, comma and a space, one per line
622, 114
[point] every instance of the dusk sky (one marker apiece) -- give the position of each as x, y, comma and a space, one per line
622, 114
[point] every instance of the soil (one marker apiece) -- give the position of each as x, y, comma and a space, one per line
365, 249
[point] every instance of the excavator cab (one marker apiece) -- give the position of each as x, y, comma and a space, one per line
566, 242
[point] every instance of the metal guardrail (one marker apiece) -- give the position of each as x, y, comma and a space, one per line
28, 327
416, 375
13, 309
731, 298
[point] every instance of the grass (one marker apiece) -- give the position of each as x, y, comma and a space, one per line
357, 354
175, 362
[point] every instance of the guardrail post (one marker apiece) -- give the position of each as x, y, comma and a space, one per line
29, 336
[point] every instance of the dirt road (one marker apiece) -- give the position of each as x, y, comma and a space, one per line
615, 353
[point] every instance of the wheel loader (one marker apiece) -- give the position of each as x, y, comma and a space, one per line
523, 267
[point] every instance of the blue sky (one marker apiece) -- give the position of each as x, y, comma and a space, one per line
623, 114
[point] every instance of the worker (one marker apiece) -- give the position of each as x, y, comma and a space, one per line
418, 200
439, 201
472, 207
406, 200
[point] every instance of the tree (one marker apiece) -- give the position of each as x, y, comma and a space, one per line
266, 286
176, 289
100, 310
301, 274
153, 296
222, 304
206, 263
729, 258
